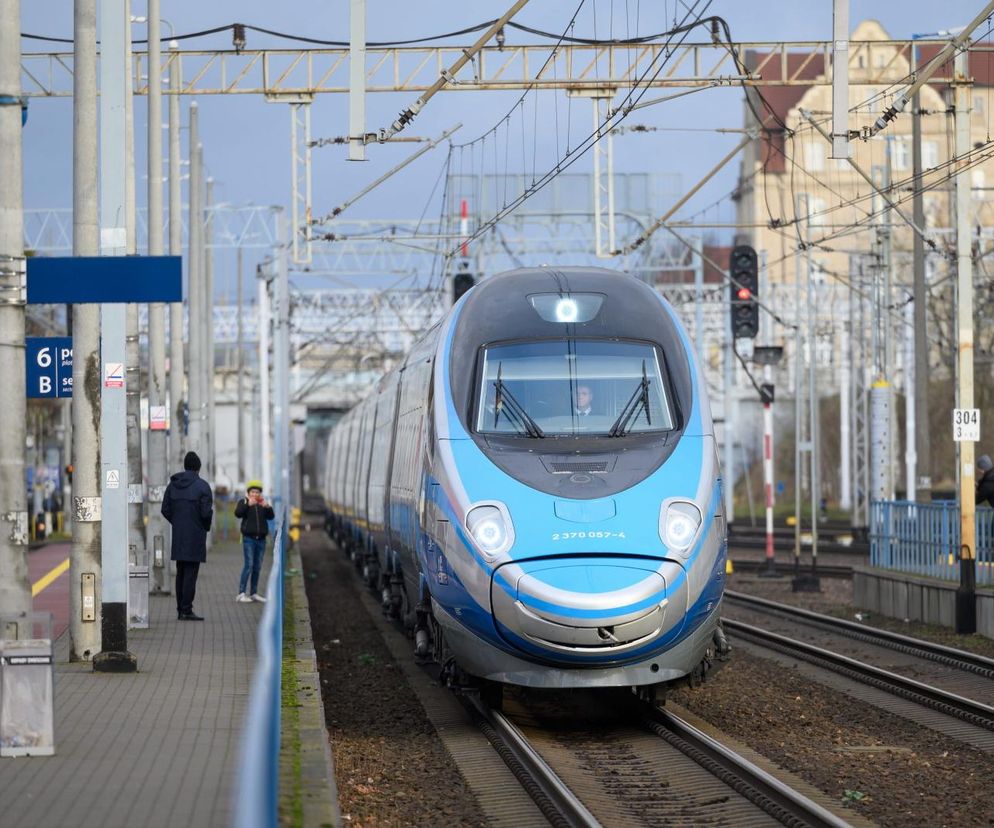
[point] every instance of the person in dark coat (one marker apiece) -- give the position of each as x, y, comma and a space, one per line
255, 513
188, 505
985, 486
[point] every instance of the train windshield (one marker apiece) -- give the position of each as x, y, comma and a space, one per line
573, 386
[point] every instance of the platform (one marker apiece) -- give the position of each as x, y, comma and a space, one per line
156, 748
910, 597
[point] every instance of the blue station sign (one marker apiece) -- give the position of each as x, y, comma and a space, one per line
49, 366
59, 280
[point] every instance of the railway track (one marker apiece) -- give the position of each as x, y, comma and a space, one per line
949, 656
786, 570
634, 746
831, 543
967, 708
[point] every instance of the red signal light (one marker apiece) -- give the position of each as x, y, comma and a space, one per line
744, 294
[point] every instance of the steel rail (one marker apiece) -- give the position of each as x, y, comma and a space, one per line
968, 710
831, 547
556, 801
761, 788
785, 568
940, 653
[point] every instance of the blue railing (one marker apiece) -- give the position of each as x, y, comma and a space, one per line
923, 539
257, 788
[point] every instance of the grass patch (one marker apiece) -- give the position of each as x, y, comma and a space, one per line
291, 806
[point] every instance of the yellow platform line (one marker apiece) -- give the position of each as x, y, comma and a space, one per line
47, 579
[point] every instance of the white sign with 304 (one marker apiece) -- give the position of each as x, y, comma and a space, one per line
966, 425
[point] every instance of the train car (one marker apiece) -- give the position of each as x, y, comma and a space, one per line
536, 490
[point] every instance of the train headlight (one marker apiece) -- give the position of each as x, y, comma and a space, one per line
567, 308
491, 528
679, 521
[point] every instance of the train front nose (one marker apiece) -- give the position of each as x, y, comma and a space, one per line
592, 610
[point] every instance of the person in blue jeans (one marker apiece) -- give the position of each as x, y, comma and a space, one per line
255, 515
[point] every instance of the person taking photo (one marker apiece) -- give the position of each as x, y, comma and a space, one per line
255, 514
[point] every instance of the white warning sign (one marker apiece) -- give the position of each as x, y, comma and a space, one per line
113, 479
113, 375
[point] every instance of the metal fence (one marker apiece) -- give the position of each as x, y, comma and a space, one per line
923, 539
257, 788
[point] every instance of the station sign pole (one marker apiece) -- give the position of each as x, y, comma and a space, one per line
15, 588
114, 655
966, 599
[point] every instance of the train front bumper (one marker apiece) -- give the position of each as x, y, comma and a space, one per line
481, 658
594, 609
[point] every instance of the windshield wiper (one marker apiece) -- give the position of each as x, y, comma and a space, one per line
515, 411
639, 401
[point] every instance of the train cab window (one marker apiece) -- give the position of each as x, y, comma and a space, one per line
586, 387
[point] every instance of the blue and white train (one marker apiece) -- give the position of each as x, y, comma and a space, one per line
536, 490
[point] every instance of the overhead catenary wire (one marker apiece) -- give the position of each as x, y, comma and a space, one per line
584, 41
655, 68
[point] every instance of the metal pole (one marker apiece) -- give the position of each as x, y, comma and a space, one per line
923, 438
798, 404
240, 367
845, 413
767, 398
265, 445
15, 589
813, 413
176, 369
840, 79
598, 151
85, 572
114, 655
357, 82
133, 380
881, 439
886, 329
157, 447
195, 294
910, 412
210, 440
256, 432
966, 602
771, 566
175, 413
699, 299
729, 461
281, 359
609, 154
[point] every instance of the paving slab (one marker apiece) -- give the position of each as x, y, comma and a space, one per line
156, 748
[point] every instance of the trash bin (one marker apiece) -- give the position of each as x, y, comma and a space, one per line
27, 685
138, 589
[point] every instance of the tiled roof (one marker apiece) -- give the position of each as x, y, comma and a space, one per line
811, 66
718, 254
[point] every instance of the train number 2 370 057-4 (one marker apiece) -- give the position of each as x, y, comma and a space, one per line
559, 536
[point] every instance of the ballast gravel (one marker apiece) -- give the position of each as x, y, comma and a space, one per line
390, 767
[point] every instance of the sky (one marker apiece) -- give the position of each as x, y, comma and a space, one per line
246, 140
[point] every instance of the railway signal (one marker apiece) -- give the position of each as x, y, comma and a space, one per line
743, 288
461, 283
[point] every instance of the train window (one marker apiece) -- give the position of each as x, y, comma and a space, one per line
571, 386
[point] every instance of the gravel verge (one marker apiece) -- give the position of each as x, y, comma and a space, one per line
390, 767
880, 765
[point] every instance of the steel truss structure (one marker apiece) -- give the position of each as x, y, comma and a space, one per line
291, 73
49, 231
